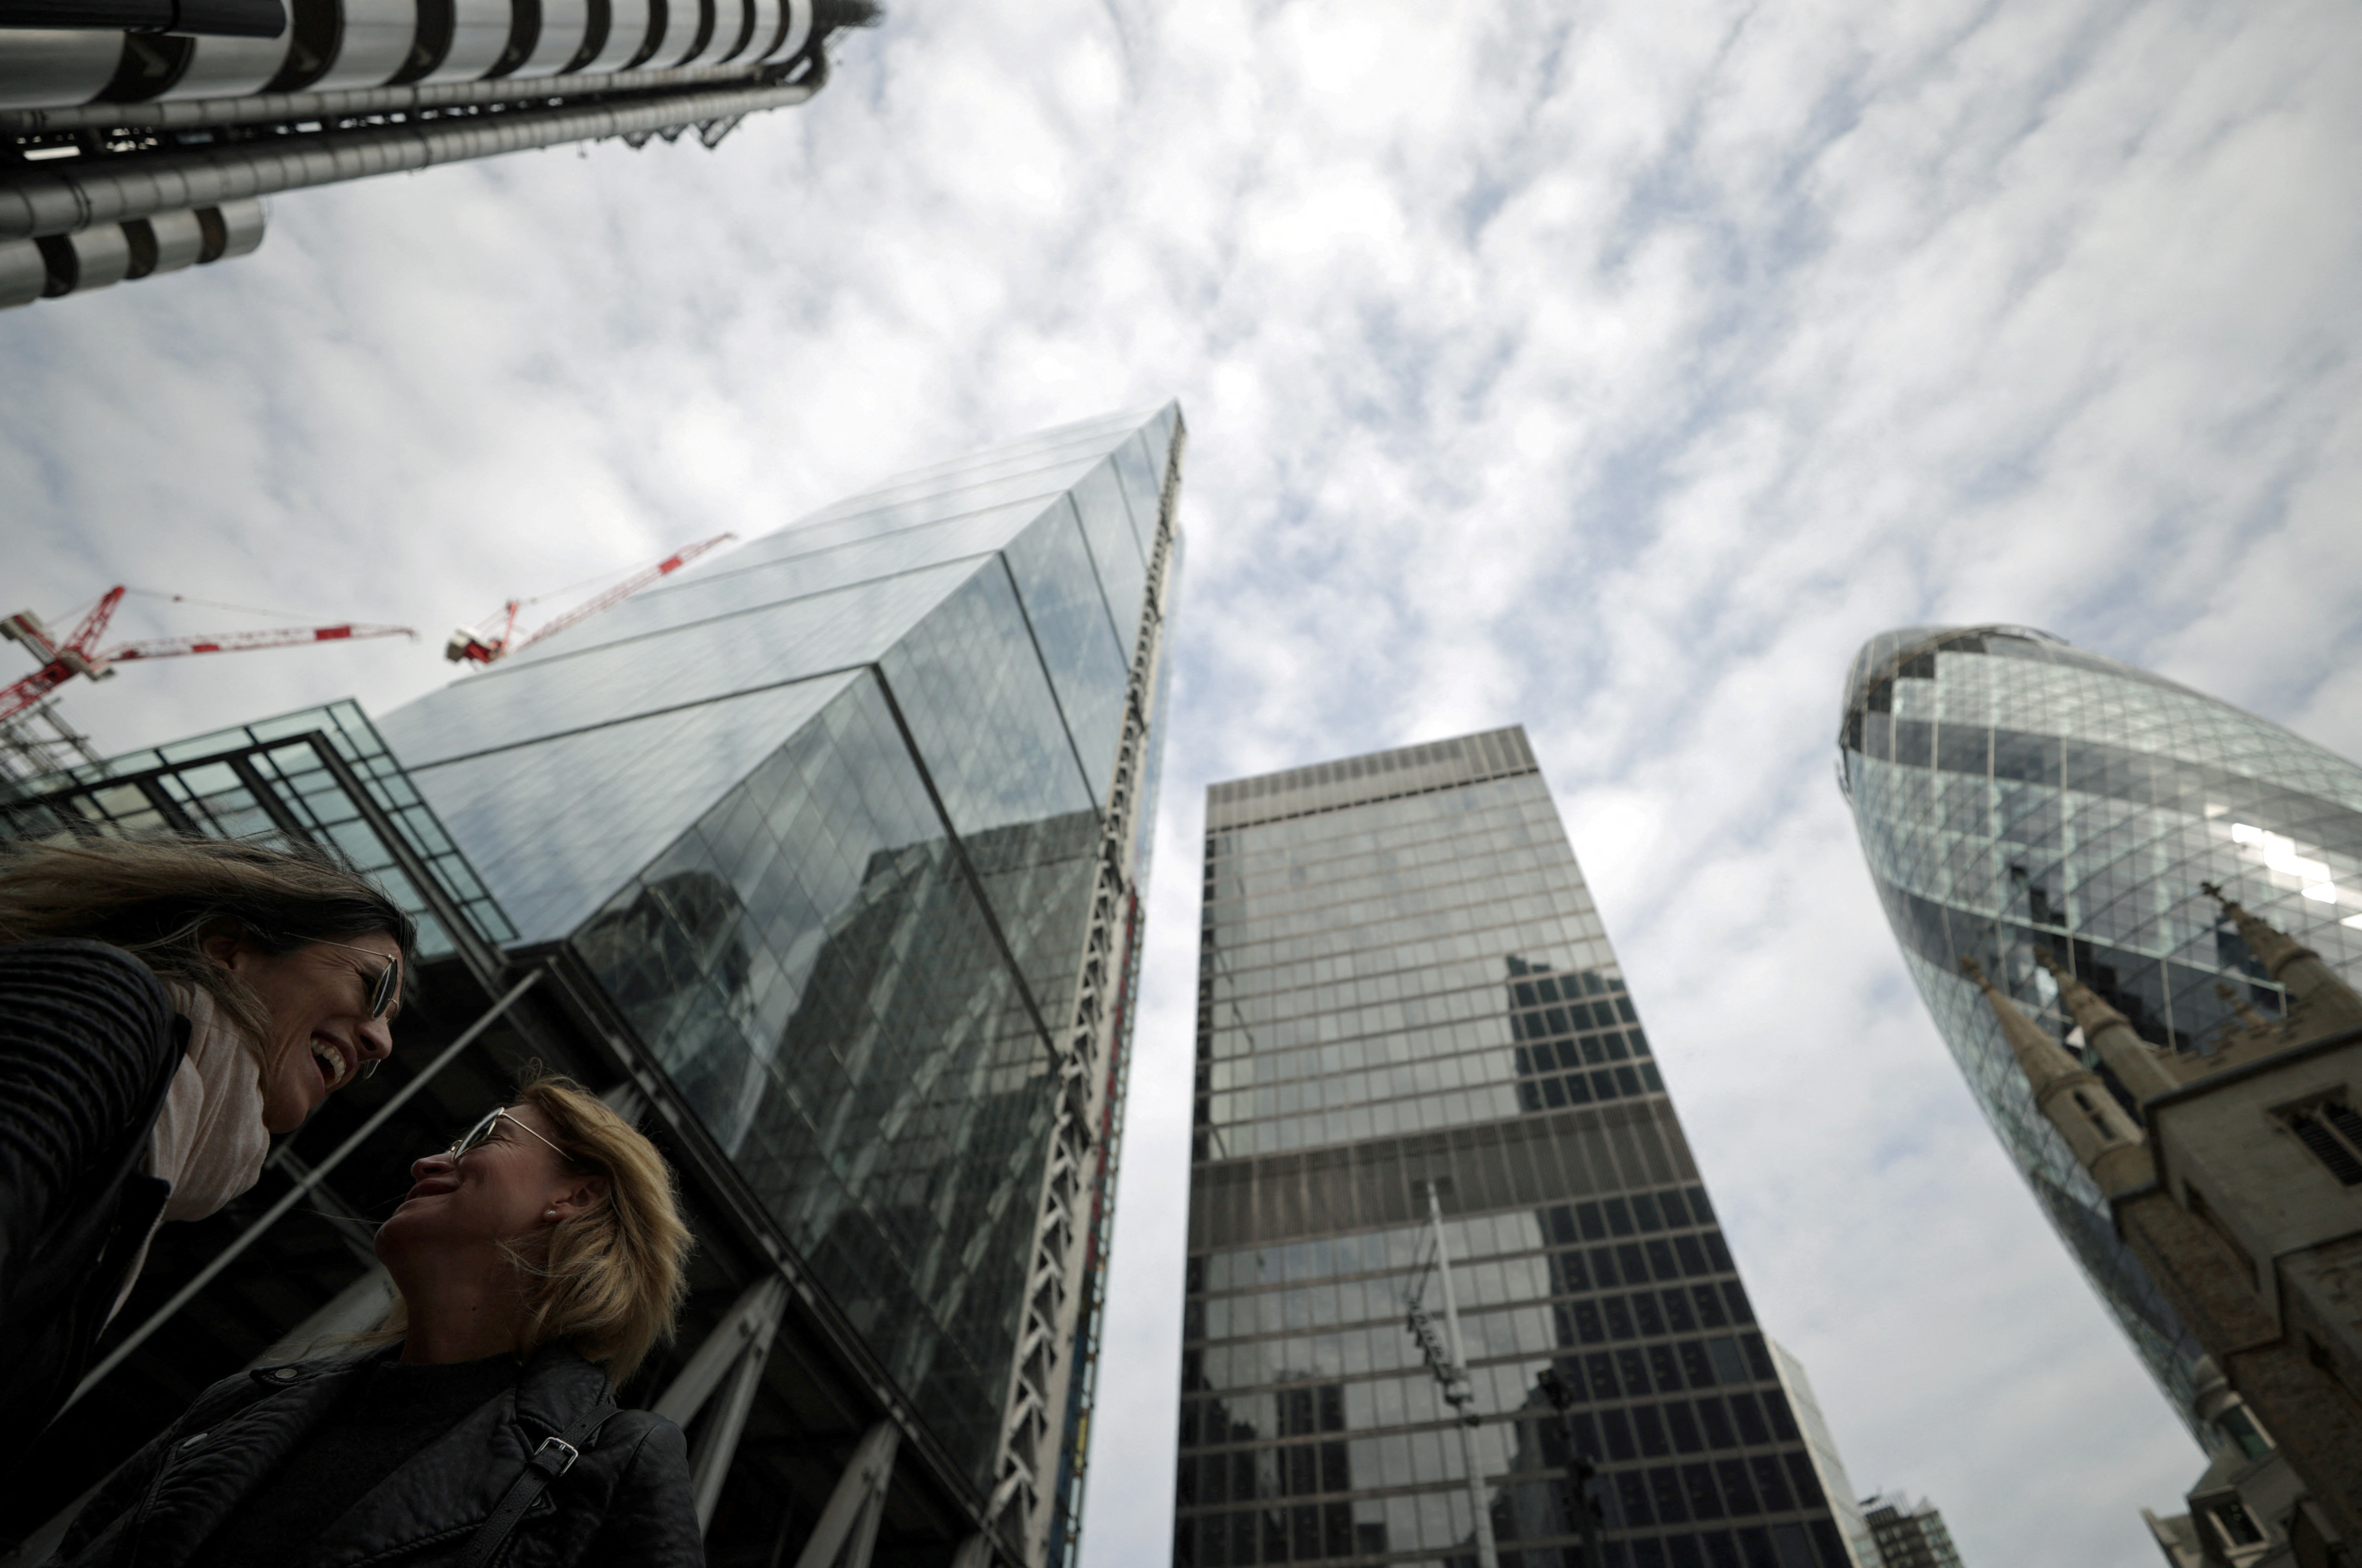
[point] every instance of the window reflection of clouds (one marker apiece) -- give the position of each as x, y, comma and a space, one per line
760, 878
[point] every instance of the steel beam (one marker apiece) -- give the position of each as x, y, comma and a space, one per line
1059, 1296
756, 1312
848, 1526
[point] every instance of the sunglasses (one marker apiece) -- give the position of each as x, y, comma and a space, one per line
481, 1133
384, 990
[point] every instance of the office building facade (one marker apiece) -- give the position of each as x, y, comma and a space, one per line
1909, 1534
849, 822
1406, 996
136, 137
1829, 1466
2013, 793
826, 860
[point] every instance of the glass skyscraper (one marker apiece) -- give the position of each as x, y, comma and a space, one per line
850, 827
1404, 989
2014, 792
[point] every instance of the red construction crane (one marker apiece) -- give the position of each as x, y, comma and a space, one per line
479, 644
80, 653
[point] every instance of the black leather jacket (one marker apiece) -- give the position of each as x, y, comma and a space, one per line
625, 1503
88, 1046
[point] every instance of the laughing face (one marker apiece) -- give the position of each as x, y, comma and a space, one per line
510, 1185
322, 1032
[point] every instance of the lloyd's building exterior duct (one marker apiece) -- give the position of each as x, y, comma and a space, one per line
139, 137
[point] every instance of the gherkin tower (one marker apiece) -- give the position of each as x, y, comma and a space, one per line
2016, 793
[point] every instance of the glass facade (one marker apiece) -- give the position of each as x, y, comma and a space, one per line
1402, 985
2014, 792
822, 816
321, 775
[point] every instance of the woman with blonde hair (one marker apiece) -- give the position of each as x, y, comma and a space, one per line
538, 1259
166, 1006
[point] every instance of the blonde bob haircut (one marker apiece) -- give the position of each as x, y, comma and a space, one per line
614, 1275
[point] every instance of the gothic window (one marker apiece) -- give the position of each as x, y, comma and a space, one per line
2332, 1129
2237, 1528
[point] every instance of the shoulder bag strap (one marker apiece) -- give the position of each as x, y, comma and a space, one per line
553, 1459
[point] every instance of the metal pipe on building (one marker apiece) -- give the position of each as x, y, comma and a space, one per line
56, 265
47, 200
61, 57
260, 108
221, 18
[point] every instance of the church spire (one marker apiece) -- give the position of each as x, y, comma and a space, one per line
2071, 1095
2324, 1001
2138, 1065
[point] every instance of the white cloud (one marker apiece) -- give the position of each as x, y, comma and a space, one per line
1613, 370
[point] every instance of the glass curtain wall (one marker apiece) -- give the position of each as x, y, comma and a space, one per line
821, 815
1403, 984
2013, 792
294, 775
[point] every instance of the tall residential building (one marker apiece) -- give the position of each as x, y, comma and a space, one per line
137, 135
1908, 1534
825, 859
2013, 793
1406, 998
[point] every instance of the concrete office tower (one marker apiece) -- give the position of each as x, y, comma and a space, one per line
1404, 989
2012, 794
127, 154
850, 824
1908, 1534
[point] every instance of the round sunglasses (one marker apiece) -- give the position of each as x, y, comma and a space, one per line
476, 1137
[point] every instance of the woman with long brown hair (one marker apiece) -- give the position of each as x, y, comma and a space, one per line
167, 1005
538, 1259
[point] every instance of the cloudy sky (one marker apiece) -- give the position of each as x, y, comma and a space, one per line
1612, 368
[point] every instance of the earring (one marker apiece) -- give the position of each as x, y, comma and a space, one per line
549, 1215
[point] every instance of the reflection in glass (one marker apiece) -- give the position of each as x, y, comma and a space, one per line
1402, 981
2011, 792
824, 816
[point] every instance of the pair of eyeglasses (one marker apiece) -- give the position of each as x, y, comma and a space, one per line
384, 988
481, 1134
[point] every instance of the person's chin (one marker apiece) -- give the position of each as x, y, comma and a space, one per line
395, 1235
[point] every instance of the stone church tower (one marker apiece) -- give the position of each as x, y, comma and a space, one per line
2236, 1177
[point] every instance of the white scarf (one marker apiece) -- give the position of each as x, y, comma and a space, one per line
209, 1142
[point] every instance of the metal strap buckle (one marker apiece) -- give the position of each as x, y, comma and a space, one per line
566, 1456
